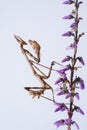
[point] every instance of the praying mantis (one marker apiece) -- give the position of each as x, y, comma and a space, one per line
36, 91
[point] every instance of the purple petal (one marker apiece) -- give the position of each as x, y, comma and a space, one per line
73, 25
62, 73
81, 60
82, 84
77, 95
67, 121
68, 2
59, 123
68, 95
76, 125
64, 108
68, 17
58, 81
74, 45
60, 93
65, 68
57, 109
57, 104
72, 94
80, 111
61, 107
67, 58
69, 33
80, 81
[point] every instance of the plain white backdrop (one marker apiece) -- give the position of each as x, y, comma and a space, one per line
39, 20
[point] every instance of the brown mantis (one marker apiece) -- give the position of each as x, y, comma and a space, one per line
36, 91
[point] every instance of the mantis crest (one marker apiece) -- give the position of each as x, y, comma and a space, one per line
36, 91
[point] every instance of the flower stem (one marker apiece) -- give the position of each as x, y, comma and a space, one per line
72, 88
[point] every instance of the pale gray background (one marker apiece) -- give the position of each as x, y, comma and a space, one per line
39, 20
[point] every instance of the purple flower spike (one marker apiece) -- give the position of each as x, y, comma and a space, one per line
68, 2
68, 17
59, 123
67, 58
